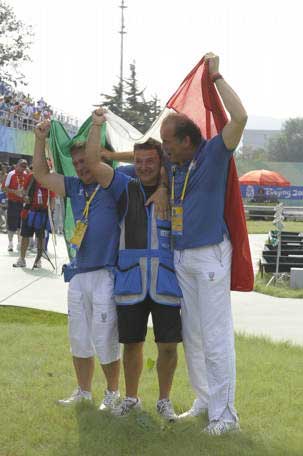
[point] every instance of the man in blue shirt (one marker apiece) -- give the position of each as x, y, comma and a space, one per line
145, 281
197, 172
91, 310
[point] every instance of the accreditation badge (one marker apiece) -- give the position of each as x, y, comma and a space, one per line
177, 220
79, 232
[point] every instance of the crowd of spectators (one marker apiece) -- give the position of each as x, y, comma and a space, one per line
21, 111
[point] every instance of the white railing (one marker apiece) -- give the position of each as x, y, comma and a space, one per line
263, 211
27, 123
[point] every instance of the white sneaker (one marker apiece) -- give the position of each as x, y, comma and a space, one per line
10, 247
20, 263
126, 406
77, 396
196, 410
166, 410
110, 400
219, 427
38, 265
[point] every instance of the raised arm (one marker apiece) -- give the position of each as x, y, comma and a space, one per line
52, 181
233, 130
124, 157
102, 173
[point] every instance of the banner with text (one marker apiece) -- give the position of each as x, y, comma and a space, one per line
281, 193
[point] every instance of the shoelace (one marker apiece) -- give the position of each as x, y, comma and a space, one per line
109, 398
166, 405
126, 406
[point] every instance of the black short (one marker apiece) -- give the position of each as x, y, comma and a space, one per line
14, 209
133, 319
29, 231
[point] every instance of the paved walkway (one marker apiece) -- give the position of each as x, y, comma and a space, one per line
254, 313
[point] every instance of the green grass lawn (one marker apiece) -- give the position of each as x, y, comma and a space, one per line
261, 226
36, 370
280, 289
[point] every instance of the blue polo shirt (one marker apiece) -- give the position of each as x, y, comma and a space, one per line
203, 205
99, 247
129, 170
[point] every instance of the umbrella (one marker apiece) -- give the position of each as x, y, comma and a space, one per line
264, 177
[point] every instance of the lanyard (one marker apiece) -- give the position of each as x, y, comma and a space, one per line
88, 202
20, 182
184, 185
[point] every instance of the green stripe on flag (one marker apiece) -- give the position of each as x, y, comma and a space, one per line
60, 144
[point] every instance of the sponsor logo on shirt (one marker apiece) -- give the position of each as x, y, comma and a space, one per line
211, 276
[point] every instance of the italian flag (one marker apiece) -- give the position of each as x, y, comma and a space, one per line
198, 98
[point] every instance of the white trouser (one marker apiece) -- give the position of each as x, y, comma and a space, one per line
207, 326
92, 317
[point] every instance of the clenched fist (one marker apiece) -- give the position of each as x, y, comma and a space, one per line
98, 116
213, 62
42, 130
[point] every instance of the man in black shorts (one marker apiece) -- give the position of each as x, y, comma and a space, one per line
145, 281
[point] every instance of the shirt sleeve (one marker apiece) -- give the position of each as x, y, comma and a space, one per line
8, 179
118, 184
217, 148
129, 170
71, 185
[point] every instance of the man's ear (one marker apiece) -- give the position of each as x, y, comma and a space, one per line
187, 142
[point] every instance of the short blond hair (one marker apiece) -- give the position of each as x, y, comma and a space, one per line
77, 146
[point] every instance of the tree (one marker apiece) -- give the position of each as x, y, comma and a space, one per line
248, 152
288, 145
114, 102
136, 110
15, 41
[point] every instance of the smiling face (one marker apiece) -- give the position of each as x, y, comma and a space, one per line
147, 165
79, 163
172, 146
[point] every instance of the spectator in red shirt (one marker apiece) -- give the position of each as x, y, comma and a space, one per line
34, 218
13, 185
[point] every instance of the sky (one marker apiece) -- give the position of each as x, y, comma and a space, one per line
76, 50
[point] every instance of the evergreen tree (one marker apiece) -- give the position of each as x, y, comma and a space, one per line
15, 41
154, 108
114, 102
136, 110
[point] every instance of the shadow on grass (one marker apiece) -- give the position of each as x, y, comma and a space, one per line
143, 434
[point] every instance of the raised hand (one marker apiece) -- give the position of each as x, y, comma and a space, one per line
42, 129
98, 116
213, 62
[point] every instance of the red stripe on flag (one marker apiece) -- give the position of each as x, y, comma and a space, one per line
198, 98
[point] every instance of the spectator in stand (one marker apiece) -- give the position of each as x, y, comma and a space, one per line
14, 185
34, 218
19, 111
41, 103
28, 111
